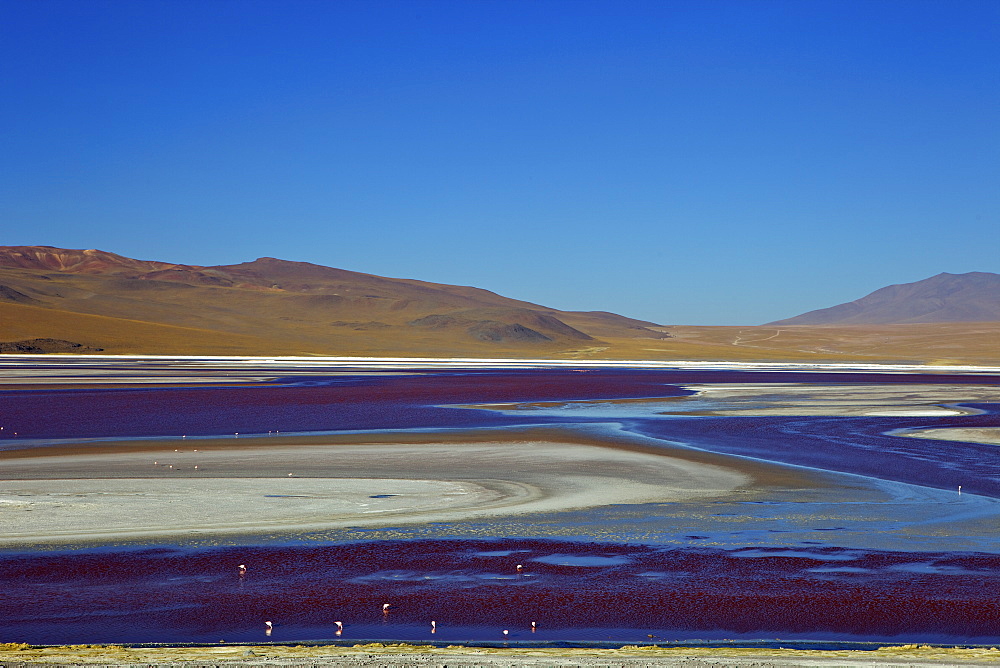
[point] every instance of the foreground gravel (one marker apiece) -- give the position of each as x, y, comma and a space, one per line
393, 656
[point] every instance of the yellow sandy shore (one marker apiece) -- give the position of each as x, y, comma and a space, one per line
459, 656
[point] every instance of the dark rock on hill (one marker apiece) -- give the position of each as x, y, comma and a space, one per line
502, 325
39, 346
9, 294
971, 297
487, 330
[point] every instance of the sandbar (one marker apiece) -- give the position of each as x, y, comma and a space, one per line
985, 435
795, 399
881, 400
112, 495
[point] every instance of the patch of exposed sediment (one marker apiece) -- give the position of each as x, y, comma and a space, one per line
111, 495
987, 435
790, 399
882, 400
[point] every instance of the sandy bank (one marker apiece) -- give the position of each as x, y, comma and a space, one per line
987, 435
851, 400
391, 656
761, 399
118, 495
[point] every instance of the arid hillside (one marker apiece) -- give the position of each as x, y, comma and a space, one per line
86, 301
270, 306
971, 297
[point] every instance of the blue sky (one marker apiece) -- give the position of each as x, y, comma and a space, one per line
702, 162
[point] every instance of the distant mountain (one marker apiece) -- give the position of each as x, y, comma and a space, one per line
273, 305
971, 297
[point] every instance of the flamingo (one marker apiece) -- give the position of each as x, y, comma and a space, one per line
385, 608
520, 568
243, 570
534, 627
434, 626
270, 626
340, 627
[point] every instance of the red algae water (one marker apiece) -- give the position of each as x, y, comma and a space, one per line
891, 553
474, 589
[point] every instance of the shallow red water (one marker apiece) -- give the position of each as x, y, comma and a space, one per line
572, 590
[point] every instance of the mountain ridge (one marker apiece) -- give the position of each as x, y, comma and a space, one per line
65, 300
969, 297
293, 300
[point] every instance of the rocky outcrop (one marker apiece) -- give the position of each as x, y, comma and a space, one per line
41, 346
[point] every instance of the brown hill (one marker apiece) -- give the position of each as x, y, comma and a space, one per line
58, 300
971, 297
296, 306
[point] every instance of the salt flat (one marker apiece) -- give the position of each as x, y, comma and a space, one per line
123, 495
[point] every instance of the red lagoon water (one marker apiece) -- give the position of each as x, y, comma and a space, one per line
473, 590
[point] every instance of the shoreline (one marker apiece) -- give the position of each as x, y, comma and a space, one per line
391, 655
299, 362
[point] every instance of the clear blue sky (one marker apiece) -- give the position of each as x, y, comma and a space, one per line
687, 162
